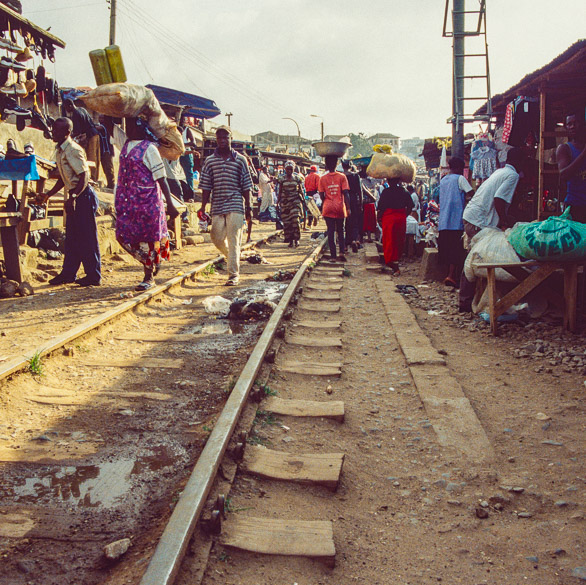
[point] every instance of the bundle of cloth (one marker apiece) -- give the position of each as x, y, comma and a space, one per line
126, 100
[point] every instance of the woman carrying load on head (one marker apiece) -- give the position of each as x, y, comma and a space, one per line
394, 205
291, 192
141, 220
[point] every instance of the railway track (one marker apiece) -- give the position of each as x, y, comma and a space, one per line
347, 450
125, 407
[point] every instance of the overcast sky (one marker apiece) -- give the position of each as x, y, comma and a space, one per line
363, 65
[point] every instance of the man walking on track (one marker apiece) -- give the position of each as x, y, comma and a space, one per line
226, 177
81, 232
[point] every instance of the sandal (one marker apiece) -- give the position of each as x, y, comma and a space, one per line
144, 285
450, 282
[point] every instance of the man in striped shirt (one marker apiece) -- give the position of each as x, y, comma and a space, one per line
226, 177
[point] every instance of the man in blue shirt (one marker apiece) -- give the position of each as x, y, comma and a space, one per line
452, 200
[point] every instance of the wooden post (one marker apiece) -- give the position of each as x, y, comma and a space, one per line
570, 295
25, 210
492, 300
541, 153
9, 240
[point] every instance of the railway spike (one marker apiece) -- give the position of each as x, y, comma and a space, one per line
238, 452
221, 505
214, 524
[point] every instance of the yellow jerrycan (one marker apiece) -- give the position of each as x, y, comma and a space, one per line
114, 57
100, 66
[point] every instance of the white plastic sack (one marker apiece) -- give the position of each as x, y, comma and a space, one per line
391, 166
217, 306
120, 100
490, 245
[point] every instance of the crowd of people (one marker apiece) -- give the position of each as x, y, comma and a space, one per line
355, 207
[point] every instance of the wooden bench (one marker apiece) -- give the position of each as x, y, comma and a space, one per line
9, 222
528, 280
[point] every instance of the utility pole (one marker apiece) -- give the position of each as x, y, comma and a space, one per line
229, 116
458, 24
112, 22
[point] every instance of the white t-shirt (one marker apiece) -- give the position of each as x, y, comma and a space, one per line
151, 159
480, 211
174, 170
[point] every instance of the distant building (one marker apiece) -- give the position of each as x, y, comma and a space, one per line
334, 137
412, 147
280, 142
384, 138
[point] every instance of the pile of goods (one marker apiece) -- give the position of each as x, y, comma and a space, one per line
556, 238
126, 100
386, 165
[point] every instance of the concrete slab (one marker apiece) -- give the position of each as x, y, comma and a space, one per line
456, 425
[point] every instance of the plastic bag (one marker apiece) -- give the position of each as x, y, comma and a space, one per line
556, 238
217, 306
391, 166
490, 245
120, 100
171, 144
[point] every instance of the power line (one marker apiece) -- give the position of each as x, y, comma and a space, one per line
170, 38
64, 8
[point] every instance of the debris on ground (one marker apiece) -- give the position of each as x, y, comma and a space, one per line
217, 305
115, 550
282, 275
11, 288
257, 308
254, 258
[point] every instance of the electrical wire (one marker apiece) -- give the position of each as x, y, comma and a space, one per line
129, 34
63, 8
169, 37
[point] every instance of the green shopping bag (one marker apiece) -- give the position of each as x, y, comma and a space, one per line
556, 238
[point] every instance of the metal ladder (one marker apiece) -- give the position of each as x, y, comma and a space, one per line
459, 58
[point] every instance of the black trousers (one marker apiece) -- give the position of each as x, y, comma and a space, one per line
335, 225
81, 238
354, 222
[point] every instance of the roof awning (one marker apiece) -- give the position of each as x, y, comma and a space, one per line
194, 105
9, 19
564, 79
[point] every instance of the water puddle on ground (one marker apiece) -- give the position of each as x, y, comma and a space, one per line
89, 485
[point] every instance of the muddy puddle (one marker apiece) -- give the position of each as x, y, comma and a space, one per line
89, 486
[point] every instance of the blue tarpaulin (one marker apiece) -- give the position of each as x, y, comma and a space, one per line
19, 169
196, 106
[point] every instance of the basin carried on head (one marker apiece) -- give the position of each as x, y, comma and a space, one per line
331, 148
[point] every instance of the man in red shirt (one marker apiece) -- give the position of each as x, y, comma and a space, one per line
335, 195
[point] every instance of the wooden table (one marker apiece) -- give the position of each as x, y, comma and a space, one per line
528, 280
9, 223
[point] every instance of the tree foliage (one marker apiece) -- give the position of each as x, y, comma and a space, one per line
360, 145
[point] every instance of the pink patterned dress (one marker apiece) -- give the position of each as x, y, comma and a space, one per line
141, 220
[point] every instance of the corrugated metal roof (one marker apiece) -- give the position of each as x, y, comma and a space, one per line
567, 69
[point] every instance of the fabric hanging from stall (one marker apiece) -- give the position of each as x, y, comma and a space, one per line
483, 157
521, 122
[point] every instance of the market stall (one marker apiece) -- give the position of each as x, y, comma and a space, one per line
531, 114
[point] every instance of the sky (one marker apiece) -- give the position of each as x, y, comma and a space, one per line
359, 65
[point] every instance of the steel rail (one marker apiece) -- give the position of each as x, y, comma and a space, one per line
21, 363
168, 555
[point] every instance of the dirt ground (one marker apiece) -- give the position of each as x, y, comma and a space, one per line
112, 464
91, 453
406, 508
28, 322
